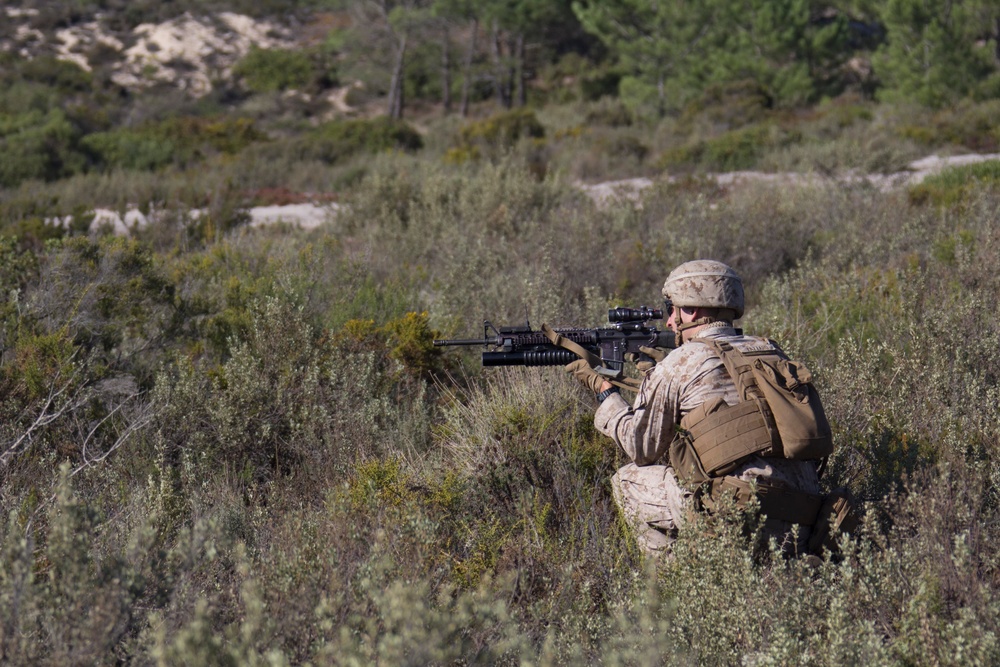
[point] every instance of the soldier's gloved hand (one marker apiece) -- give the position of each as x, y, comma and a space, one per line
644, 366
582, 371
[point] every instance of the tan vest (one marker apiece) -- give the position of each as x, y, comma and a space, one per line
779, 414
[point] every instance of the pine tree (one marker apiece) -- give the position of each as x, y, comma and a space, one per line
682, 47
934, 52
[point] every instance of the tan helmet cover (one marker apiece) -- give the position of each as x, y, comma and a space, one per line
705, 283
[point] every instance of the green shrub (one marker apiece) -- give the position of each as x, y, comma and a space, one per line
956, 185
496, 134
37, 145
503, 129
379, 483
731, 105
971, 125
130, 149
371, 136
406, 340
608, 111
107, 294
337, 141
411, 344
59, 74
180, 141
732, 151
17, 265
270, 70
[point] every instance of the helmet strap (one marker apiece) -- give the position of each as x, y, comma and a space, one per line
701, 321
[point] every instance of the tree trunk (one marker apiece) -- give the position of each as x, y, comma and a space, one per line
446, 71
996, 39
467, 69
661, 97
396, 84
500, 79
521, 94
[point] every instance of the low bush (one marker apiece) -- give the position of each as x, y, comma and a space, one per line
370, 136
337, 141
178, 141
610, 112
970, 125
270, 70
59, 74
732, 151
957, 185
496, 135
37, 145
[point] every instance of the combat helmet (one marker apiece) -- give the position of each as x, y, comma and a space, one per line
705, 283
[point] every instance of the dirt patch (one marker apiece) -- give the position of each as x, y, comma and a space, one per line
604, 194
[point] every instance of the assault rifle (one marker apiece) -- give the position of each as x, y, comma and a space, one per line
628, 330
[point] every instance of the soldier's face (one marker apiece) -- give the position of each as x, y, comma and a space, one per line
672, 318
679, 316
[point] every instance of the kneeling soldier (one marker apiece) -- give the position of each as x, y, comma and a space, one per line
723, 413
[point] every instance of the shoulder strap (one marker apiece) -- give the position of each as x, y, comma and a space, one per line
738, 367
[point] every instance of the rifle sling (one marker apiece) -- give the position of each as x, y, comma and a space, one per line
595, 361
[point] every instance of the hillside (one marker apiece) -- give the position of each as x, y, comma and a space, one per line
185, 52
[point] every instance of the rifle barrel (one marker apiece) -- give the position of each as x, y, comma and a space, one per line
465, 341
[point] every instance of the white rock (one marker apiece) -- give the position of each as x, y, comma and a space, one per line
306, 216
605, 193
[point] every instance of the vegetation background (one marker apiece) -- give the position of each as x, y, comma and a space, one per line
231, 445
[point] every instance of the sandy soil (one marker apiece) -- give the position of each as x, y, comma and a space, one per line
186, 52
631, 189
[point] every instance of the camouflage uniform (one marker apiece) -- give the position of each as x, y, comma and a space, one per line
646, 489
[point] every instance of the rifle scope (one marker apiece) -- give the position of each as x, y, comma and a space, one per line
640, 314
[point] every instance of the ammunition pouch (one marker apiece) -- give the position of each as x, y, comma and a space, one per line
828, 516
839, 514
716, 437
776, 502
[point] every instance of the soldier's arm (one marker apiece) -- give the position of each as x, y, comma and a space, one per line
643, 430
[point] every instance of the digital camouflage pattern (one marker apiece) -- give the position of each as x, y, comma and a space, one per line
705, 283
653, 501
647, 490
